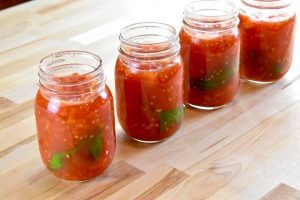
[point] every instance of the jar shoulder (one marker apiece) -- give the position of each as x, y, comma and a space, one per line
271, 15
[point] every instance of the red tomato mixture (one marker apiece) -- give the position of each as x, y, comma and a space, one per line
149, 98
211, 69
266, 48
76, 136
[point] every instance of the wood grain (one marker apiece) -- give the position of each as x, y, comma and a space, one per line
242, 152
169, 181
120, 175
283, 192
5, 103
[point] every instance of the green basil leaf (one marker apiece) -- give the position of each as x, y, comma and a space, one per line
278, 69
96, 146
93, 144
209, 83
56, 160
169, 117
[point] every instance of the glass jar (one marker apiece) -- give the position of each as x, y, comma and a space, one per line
149, 82
267, 31
210, 47
74, 116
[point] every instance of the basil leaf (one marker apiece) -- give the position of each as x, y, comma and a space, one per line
96, 147
169, 117
208, 83
56, 160
93, 144
278, 69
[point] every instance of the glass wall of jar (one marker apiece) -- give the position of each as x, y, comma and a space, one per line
267, 31
149, 82
210, 47
74, 116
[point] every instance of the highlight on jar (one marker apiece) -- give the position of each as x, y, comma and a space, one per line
210, 48
267, 31
74, 116
149, 82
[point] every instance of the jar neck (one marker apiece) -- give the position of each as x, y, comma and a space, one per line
148, 41
211, 16
71, 74
267, 4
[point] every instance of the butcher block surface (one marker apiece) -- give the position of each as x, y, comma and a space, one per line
249, 150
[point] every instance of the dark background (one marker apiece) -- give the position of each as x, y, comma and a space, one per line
8, 3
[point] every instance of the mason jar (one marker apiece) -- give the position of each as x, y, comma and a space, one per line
267, 31
210, 48
74, 116
149, 82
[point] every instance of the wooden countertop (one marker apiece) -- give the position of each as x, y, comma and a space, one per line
245, 151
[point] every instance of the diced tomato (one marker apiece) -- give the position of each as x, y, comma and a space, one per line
143, 92
76, 138
211, 68
266, 48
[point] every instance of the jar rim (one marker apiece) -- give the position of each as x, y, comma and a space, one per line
208, 15
189, 10
148, 41
138, 25
94, 56
87, 67
267, 4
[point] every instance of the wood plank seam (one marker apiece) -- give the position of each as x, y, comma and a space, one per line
6, 103
12, 111
122, 174
282, 192
17, 145
173, 178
